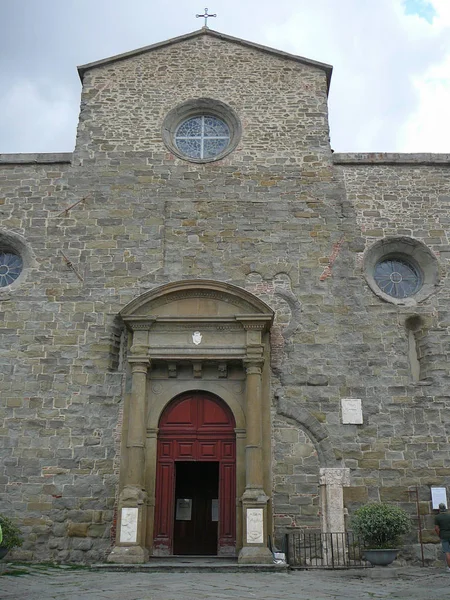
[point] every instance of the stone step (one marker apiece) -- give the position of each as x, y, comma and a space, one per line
194, 564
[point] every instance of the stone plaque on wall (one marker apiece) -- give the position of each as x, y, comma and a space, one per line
128, 526
255, 526
351, 411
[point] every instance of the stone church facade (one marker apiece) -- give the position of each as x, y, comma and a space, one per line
214, 328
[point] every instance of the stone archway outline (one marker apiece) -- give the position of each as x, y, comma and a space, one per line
333, 475
312, 427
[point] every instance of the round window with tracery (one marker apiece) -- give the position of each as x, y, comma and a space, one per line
202, 137
397, 277
11, 266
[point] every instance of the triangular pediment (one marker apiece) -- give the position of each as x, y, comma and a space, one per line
209, 32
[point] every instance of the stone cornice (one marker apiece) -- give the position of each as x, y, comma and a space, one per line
391, 158
50, 158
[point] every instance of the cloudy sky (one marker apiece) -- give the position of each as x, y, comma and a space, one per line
390, 90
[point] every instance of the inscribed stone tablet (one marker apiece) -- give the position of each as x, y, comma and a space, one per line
255, 527
128, 527
351, 411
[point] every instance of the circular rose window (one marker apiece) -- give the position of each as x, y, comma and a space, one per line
10, 267
201, 130
397, 277
401, 270
202, 137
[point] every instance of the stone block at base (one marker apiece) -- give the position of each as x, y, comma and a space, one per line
128, 555
255, 555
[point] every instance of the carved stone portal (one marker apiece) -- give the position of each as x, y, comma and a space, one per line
185, 336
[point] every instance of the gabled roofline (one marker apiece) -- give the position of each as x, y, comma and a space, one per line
221, 36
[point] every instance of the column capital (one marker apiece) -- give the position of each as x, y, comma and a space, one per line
139, 364
253, 366
334, 476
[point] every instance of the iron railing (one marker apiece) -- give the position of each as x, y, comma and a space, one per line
314, 550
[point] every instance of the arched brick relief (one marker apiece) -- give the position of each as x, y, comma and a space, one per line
276, 290
314, 429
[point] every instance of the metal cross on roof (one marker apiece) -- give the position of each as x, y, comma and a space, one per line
206, 17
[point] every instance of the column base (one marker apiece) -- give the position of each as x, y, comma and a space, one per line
128, 555
255, 555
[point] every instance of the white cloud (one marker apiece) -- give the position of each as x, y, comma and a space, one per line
428, 127
38, 116
384, 83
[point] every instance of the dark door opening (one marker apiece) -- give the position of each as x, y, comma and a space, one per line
196, 515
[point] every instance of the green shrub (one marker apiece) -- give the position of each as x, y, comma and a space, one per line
12, 537
381, 525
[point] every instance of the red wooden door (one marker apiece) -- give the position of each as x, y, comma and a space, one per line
195, 427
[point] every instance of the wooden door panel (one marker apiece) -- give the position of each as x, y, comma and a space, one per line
208, 450
227, 504
185, 449
164, 507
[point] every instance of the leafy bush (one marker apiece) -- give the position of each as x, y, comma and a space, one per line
381, 525
12, 537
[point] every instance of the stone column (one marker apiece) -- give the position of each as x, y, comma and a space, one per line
137, 425
332, 482
254, 499
131, 523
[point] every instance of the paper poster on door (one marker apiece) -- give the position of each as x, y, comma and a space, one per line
214, 510
184, 509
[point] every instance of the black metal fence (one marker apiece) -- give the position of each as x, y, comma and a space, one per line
315, 550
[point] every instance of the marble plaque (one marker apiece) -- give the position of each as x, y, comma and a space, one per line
438, 496
255, 526
351, 411
128, 525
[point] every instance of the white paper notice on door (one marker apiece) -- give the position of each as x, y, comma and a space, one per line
214, 510
184, 509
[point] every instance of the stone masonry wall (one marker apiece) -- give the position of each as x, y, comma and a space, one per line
406, 438
273, 217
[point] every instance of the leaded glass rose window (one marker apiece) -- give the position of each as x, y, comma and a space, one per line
397, 277
10, 267
202, 137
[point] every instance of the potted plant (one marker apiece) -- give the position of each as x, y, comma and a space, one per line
11, 536
380, 526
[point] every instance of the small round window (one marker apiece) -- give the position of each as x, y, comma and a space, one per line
397, 277
201, 130
401, 270
11, 266
202, 137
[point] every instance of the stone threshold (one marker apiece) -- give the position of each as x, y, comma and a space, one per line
181, 564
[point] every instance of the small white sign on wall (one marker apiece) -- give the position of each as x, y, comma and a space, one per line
351, 411
438, 496
128, 525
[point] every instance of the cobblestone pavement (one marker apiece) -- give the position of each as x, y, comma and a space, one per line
64, 583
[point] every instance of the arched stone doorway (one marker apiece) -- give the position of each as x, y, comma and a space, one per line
211, 337
195, 509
